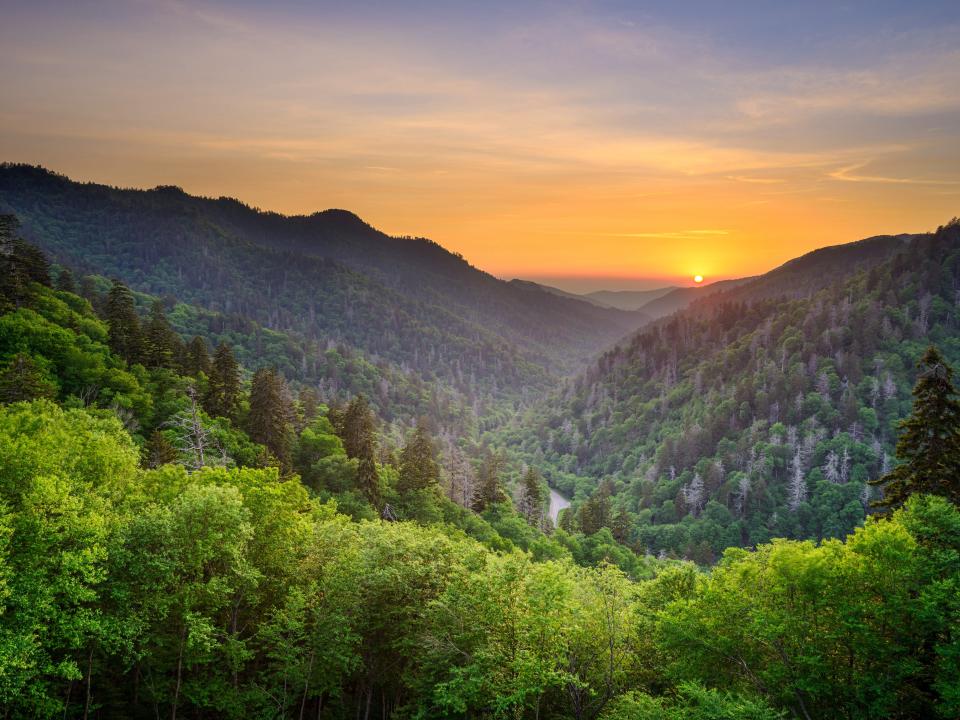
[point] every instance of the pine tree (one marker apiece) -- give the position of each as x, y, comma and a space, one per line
159, 451
489, 490
621, 527
368, 480
23, 380
309, 407
20, 264
125, 337
223, 388
419, 469
270, 421
160, 342
929, 445
358, 429
65, 282
197, 357
530, 502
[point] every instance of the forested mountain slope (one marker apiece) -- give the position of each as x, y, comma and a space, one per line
756, 414
329, 277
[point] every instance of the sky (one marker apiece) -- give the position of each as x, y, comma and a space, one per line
587, 144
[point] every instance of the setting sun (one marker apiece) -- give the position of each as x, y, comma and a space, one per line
698, 278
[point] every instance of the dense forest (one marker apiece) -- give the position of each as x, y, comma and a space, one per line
203, 515
328, 280
751, 414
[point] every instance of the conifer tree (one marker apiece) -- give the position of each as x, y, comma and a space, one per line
197, 357
223, 388
271, 415
65, 281
160, 342
309, 407
929, 445
419, 469
159, 451
125, 337
358, 429
368, 480
531, 497
20, 264
489, 490
22, 380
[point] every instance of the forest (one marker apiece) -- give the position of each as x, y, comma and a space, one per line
189, 528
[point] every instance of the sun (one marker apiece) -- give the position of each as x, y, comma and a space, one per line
698, 278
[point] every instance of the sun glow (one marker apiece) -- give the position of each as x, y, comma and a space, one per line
698, 279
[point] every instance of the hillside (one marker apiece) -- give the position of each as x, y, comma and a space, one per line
328, 277
628, 299
760, 411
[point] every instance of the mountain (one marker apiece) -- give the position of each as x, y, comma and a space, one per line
761, 410
328, 278
628, 299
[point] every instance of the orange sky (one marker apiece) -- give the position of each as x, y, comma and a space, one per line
579, 142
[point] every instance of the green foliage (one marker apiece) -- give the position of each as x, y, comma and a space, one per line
929, 445
776, 400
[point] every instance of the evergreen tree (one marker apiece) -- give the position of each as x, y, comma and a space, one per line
358, 429
308, 406
223, 388
489, 489
530, 502
121, 315
271, 415
65, 281
929, 443
621, 527
160, 342
418, 462
368, 480
23, 380
159, 451
20, 264
197, 357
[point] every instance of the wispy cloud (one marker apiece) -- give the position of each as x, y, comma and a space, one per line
849, 174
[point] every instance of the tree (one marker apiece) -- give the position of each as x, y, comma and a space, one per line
125, 337
159, 450
271, 415
530, 502
197, 447
358, 428
160, 343
20, 264
196, 357
223, 388
419, 469
489, 490
65, 281
929, 445
23, 380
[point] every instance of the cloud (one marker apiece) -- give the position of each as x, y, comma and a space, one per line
848, 174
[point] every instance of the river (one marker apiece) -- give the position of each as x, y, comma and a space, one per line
557, 503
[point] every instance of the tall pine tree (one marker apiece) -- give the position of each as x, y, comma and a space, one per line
530, 501
161, 345
223, 388
121, 315
271, 416
929, 445
419, 469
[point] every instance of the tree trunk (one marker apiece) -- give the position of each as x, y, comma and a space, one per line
176, 691
86, 704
